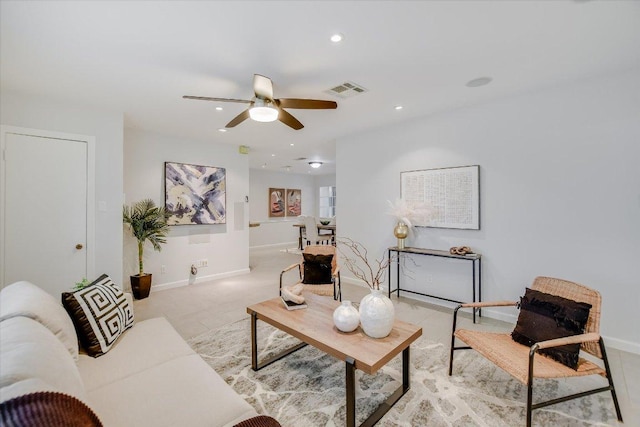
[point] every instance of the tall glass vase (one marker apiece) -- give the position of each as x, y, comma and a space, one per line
376, 314
401, 231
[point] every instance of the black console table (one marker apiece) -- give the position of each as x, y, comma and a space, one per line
476, 273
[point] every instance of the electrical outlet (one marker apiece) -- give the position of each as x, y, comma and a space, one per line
205, 263
163, 269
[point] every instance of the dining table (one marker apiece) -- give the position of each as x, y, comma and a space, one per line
302, 227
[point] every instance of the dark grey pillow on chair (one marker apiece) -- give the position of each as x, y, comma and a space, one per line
544, 317
317, 269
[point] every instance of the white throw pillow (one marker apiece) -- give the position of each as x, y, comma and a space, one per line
31, 351
100, 312
27, 300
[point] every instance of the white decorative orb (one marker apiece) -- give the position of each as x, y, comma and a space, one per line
346, 317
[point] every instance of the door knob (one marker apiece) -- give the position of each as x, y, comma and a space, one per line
79, 246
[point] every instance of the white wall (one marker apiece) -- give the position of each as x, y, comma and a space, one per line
277, 231
225, 246
54, 115
560, 194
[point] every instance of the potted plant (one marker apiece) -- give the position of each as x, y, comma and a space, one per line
146, 222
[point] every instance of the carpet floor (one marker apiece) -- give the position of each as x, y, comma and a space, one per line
307, 387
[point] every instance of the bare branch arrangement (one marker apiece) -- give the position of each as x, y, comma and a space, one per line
355, 255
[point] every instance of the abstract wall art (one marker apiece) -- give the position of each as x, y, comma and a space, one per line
294, 202
276, 202
195, 194
451, 194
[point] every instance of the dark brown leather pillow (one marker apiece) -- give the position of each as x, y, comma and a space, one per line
259, 421
317, 269
545, 317
47, 409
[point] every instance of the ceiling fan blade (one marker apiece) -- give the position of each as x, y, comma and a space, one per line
309, 104
238, 119
262, 86
289, 120
206, 98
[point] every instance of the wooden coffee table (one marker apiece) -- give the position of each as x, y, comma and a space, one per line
314, 325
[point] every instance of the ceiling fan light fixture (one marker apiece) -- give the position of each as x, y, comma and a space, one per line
315, 165
263, 111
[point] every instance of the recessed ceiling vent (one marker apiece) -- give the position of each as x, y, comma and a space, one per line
346, 90
301, 158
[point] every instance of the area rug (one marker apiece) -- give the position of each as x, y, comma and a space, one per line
307, 388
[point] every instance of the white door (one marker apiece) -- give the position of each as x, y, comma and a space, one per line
47, 186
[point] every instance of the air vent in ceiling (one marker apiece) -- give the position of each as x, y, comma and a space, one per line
346, 90
301, 158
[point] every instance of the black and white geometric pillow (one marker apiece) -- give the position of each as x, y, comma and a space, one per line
100, 313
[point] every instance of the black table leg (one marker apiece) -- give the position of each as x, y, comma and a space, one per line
254, 342
391, 400
300, 239
473, 263
254, 348
351, 391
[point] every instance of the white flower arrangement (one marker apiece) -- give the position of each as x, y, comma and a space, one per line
406, 213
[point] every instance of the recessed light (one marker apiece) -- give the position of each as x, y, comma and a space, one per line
273, 155
264, 165
398, 107
218, 108
480, 81
337, 37
222, 130
291, 144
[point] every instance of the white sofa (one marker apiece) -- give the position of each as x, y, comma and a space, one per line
150, 377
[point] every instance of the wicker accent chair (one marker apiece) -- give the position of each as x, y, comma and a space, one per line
330, 289
524, 364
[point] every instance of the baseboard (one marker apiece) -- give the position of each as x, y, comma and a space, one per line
276, 245
180, 283
618, 344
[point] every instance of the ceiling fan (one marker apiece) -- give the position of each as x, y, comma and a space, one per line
263, 107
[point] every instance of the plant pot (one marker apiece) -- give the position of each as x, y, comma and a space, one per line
141, 285
376, 314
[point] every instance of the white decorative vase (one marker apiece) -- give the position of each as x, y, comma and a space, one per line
346, 317
376, 314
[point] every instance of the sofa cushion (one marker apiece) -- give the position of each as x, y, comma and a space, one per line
181, 392
31, 351
544, 317
317, 269
100, 313
149, 343
28, 300
47, 409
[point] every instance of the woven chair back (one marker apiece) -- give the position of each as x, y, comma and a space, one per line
576, 292
323, 250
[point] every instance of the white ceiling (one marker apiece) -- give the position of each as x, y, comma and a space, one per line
141, 57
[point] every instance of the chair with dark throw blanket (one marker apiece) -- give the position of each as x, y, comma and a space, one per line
318, 272
557, 320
